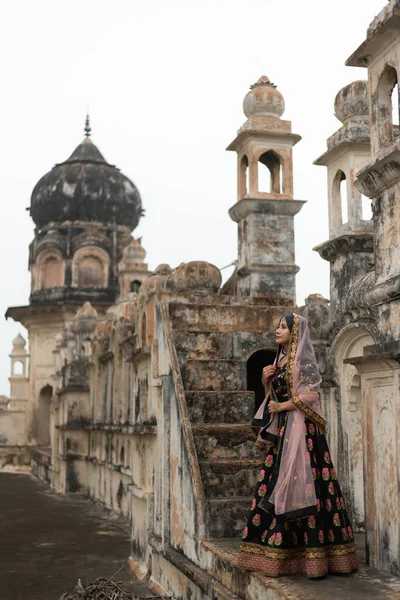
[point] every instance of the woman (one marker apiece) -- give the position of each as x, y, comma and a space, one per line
298, 521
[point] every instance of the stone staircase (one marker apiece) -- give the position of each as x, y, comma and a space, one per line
220, 411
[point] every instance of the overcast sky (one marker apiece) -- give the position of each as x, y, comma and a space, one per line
164, 84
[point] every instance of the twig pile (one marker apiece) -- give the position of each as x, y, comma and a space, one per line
101, 589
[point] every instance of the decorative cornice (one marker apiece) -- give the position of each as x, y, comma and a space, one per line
273, 206
344, 244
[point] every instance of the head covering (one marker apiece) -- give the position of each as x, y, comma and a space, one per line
294, 492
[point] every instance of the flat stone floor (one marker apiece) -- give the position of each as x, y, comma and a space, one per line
47, 542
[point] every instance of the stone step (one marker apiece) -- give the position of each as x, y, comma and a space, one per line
223, 318
203, 344
219, 560
227, 516
223, 478
225, 441
214, 375
220, 407
235, 345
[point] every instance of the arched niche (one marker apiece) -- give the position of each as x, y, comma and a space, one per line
243, 176
43, 415
90, 268
50, 270
340, 199
270, 177
386, 121
18, 368
255, 364
350, 343
134, 286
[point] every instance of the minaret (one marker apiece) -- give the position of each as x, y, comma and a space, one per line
19, 374
350, 246
380, 179
265, 206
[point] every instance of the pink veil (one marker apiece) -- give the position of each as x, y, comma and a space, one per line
294, 490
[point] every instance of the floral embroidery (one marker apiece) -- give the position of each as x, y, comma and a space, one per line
318, 504
331, 536
336, 520
311, 428
342, 503
333, 474
253, 504
262, 475
314, 473
257, 520
286, 525
327, 458
310, 444
271, 540
325, 474
278, 539
269, 460
264, 535
321, 536
262, 490
311, 522
345, 534
331, 489
338, 505
273, 524
245, 532
328, 505
295, 541
350, 532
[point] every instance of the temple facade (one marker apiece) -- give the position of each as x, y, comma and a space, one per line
141, 386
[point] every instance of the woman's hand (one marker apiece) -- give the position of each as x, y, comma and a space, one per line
274, 407
267, 373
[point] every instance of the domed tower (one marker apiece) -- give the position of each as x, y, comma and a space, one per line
350, 246
84, 210
265, 207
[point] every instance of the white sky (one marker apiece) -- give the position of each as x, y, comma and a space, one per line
164, 83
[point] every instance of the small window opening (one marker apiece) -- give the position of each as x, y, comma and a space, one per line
343, 198
134, 286
366, 207
269, 173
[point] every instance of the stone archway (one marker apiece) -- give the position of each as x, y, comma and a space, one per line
350, 343
44, 403
255, 364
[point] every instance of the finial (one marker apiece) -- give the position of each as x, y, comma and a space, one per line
88, 129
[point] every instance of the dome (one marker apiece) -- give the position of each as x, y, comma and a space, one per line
86, 188
351, 103
134, 251
263, 99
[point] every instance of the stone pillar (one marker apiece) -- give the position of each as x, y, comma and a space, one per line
380, 380
265, 208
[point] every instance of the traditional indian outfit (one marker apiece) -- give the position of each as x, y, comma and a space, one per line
298, 521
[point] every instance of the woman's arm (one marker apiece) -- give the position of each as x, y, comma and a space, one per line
276, 407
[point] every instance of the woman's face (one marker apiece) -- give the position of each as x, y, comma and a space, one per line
282, 334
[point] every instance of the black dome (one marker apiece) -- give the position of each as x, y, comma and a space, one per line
86, 188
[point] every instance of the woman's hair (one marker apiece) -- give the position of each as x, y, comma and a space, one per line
289, 321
